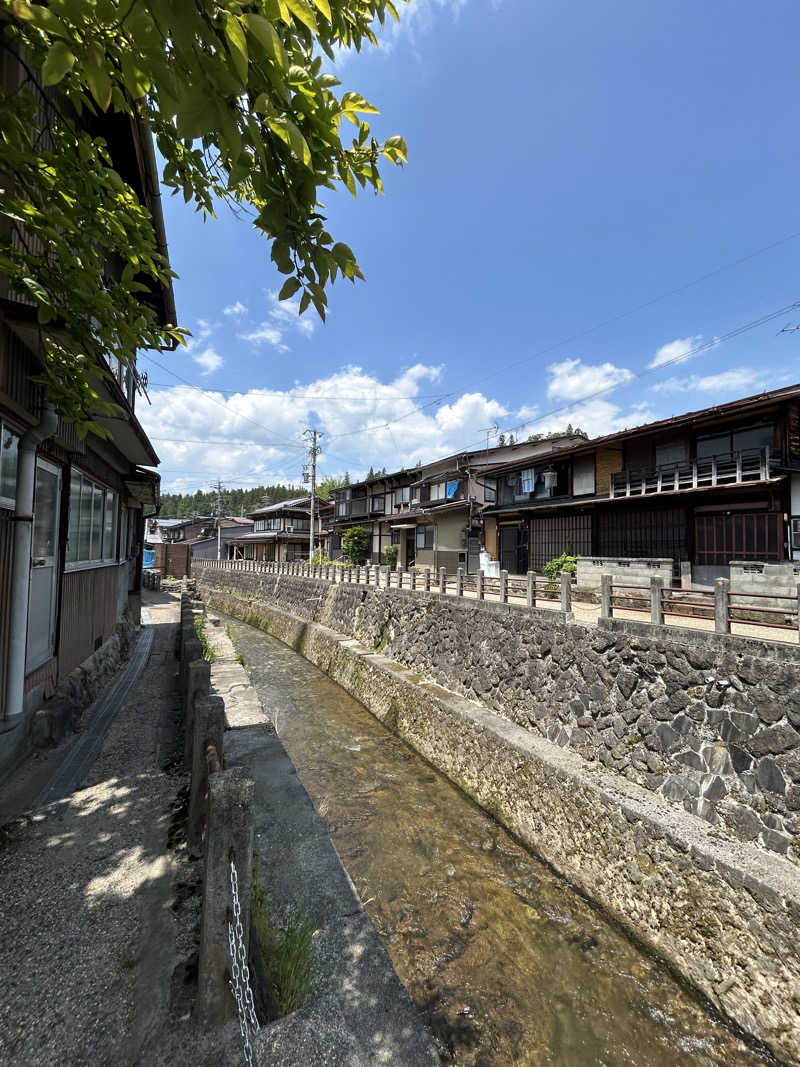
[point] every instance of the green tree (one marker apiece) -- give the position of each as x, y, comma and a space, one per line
243, 113
355, 544
330, 482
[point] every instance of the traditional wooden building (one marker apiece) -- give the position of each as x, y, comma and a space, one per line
708, 487
281, 532
432, 513
72, 511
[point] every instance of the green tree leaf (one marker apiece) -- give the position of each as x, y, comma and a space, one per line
238, 45
267, 36
58, 63
288, 289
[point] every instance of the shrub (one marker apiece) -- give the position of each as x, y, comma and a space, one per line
390, 555
287, 955
565, 562
355, 544
320, 557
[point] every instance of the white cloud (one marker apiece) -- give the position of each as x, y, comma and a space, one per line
209, 360
283, 318
255, 436
200, 333
737, 379
573, 380
235, 309
677, 351
273, 335
597, 416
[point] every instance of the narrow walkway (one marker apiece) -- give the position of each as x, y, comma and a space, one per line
87, 935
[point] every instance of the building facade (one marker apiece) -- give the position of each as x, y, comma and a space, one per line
708, 487
281, 532
72, 511
432, 514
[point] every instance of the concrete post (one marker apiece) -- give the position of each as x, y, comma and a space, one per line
606, 607
460, 581
530, 598
656, 600
722, 615
209, 729
566, 591
198, 683
442, 580
798, 607
427, 579
479, 585
399, 579
503, 587
358, 576
414, 579
387, 576
229, 836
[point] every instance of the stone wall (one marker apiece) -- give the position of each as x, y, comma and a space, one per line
710, 722
723, 914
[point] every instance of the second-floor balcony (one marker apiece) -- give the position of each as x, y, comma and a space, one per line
728, 468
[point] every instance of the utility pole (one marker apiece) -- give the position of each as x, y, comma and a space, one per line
220, 489
312, 436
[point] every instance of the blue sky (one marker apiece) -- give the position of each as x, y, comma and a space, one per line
568, 163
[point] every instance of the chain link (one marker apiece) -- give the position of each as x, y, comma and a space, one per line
240, 972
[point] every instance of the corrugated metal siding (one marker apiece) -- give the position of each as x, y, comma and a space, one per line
88, 613
6, 543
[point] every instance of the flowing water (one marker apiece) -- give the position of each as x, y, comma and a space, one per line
507, 963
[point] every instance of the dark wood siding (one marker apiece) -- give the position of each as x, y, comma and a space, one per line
657, 533
553, 534
719, 539
88, 614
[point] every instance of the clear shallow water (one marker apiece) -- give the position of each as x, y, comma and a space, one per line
507, 963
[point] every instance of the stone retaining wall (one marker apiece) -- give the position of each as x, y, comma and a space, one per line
724, 914
708, 721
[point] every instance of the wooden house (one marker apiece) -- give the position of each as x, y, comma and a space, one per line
708, 487
70, 551
281, 532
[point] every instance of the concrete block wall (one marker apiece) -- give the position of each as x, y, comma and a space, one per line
636, 571
710, 722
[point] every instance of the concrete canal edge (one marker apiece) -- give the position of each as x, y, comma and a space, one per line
722, 913
358, 1011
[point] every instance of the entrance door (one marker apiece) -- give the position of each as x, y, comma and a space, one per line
43, 602
513, 549
411, 547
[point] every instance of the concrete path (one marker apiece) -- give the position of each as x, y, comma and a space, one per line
88, 937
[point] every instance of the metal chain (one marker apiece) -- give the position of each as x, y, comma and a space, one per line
240, 973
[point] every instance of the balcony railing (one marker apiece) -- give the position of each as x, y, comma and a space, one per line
729, 468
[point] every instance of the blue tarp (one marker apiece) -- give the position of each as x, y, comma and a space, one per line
452, 489
148, 557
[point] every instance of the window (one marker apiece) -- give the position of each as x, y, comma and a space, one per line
527, 480
402, 496
377, 504
300, 525
92, 521
425, 536
9, 442
395, 537
583, 476
750, 437
490, 490
296, 552
438, 491
796, 532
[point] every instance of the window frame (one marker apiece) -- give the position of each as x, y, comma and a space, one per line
426, 529
108, 557
9, 503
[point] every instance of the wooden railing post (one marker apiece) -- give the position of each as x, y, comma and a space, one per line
657, 600
566, 591
722, 613
442, 580
479, 585
530, 598
606, 589
503, 587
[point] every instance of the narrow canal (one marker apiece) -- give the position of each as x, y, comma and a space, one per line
506, 962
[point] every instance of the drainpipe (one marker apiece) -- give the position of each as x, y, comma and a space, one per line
21, 563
